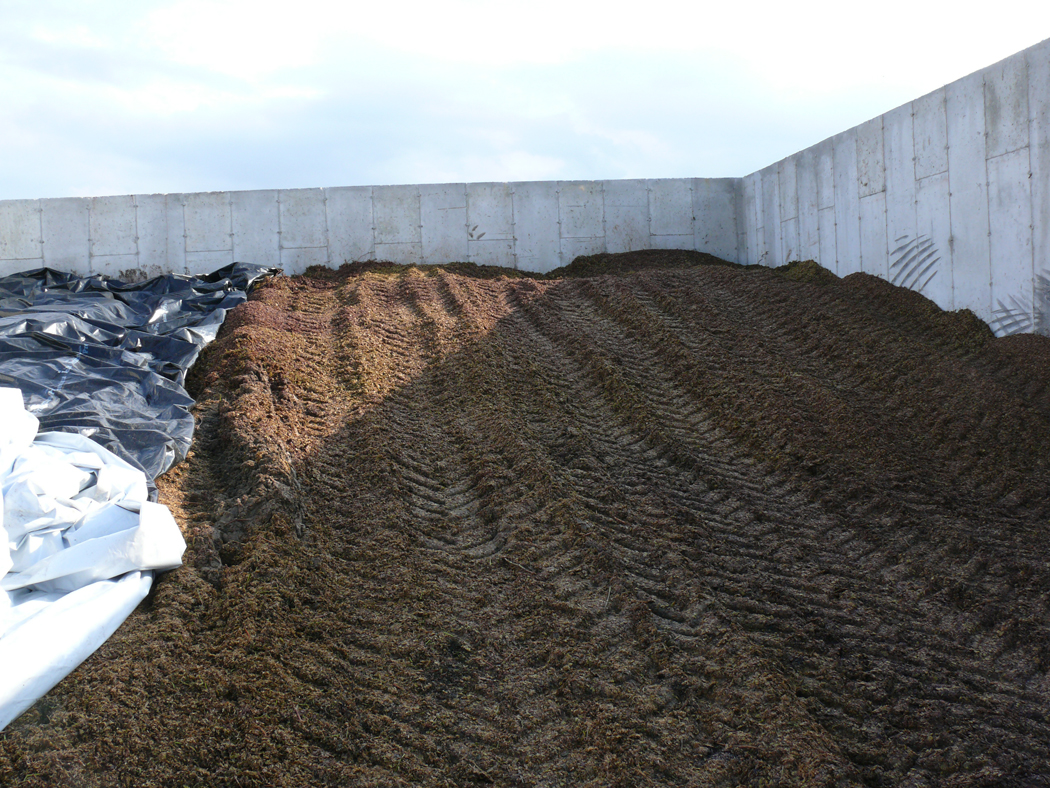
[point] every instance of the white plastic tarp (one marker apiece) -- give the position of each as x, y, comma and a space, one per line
79, 543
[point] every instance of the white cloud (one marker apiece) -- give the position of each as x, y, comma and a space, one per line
185, 95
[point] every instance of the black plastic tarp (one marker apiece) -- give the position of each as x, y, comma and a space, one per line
108, 359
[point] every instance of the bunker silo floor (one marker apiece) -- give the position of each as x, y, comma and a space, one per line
653, 521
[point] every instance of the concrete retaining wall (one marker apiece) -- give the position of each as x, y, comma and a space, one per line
948, 195
534, 226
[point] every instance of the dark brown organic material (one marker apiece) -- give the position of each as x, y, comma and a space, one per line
689, 524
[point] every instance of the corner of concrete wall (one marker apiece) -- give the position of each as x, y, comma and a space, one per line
948, 195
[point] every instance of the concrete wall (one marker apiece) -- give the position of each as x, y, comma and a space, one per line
948, 195
534, 226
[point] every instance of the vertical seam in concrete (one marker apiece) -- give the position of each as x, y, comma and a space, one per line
466, 218
557, 194
419, 222
914, 188
229, 207
987, 189
372, 202
91, 251
280, 241
40, 220
185, 260
138, 248
649, 213
692, 211
885, 202
948, 175
513, 227
605, 237
1031, 196
327, 234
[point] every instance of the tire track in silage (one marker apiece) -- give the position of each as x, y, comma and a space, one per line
650, 535
913, 651
403, 429
538, 726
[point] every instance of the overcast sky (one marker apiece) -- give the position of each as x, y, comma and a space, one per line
108, 97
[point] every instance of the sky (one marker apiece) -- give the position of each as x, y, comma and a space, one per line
108, 97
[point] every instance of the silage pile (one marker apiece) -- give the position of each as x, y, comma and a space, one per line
685, 524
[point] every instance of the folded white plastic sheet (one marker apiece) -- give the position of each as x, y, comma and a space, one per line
78, 547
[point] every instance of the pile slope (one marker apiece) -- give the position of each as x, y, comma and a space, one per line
689, 524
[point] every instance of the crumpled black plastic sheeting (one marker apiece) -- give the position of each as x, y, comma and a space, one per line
107, 359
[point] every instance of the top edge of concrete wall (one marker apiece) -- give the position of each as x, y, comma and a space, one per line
357, 186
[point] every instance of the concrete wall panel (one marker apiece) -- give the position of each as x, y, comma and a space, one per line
1006, 105
206, 262
582, 209
490, 212
967, 178
571, 248
671, 241
537, 236
208, 222
1010, 218
741, 221
900, 177
397, 220
924, 264
871, 167
787, 195
770, 254
175, 214
66, 224
825, 155
931, 134
350, 230
631, 193
671, 206
789, 241
256, 227
402, 253
304, 219
443, 213
751, 191
122, 266
1038, 58
20, 236
873, 234
760, 215
113, 225
808, 212
826, 226
496, 252
152, 220
847, 205
787, 182
715, 212
8, 267
297, 260
714, 206
626, 229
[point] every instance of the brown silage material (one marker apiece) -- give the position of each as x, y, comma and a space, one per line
688, 524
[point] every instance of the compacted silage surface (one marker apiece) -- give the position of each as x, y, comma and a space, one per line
681, 524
